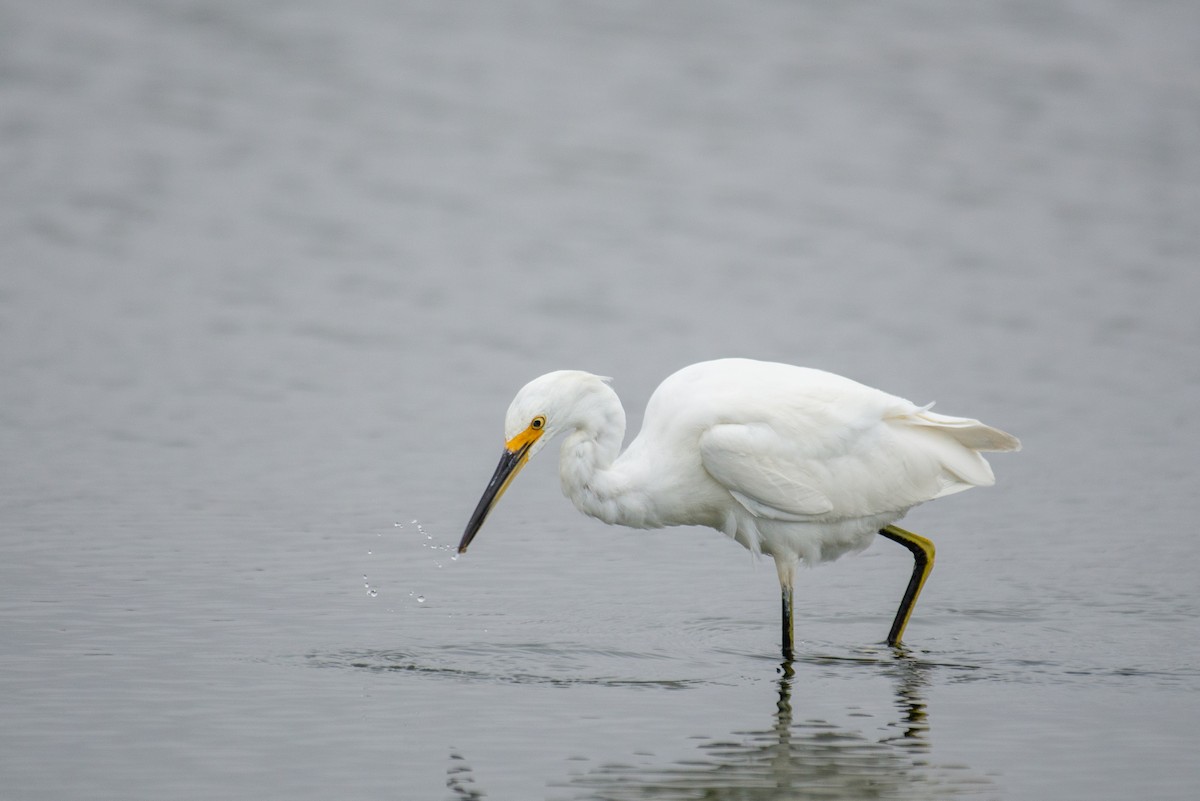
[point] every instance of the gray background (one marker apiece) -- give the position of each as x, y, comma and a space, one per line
270, 273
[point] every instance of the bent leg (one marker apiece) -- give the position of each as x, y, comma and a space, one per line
922, 551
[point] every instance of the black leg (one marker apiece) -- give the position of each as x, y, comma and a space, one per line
922, 551
787, 624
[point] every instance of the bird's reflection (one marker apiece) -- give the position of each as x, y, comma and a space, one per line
809, 759
910, 679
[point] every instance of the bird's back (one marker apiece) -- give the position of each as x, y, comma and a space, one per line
792, 446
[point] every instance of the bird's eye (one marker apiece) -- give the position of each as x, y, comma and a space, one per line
538, 423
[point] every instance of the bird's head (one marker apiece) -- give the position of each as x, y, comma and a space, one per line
545, 407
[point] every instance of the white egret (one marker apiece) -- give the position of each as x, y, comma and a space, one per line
792, 462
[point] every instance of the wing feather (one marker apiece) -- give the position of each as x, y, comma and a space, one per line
751, 461
795, 444
884, 463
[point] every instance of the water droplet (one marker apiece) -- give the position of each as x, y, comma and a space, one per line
420, 599
369, 553
373, 593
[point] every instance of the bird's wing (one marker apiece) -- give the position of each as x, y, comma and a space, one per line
877, 465
762, 472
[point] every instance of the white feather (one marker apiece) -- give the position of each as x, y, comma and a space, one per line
797, 462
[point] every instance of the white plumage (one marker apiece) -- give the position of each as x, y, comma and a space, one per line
796, 463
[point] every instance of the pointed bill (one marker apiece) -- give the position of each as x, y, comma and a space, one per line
515, 456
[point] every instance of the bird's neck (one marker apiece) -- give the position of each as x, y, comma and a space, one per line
590, 478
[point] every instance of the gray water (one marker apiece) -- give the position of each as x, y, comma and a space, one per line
270, 273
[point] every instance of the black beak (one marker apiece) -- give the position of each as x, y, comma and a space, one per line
511, 463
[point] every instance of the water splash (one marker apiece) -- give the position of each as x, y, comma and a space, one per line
414, 532
439, 549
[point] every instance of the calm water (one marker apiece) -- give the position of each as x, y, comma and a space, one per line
270, 273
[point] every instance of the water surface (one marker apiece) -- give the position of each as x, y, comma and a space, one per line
271, 272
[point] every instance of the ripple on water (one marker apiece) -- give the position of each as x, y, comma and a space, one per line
571, 664
526, 663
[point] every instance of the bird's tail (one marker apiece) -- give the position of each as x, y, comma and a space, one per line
956, 444
969, 433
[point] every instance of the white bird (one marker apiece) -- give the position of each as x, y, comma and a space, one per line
792, 462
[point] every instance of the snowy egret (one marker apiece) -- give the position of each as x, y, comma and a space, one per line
792, 462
